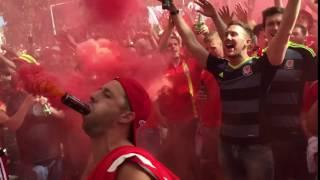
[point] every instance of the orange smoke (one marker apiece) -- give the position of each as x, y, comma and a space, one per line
49, 88
35, 80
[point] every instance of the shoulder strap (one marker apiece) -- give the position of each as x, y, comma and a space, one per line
186, 71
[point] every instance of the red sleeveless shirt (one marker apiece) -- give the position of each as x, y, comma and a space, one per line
107, 168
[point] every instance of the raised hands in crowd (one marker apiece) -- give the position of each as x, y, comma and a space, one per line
226, 14
185, 27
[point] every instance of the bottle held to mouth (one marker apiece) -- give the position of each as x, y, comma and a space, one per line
75, 104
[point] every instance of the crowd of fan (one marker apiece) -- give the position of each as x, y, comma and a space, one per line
184, 131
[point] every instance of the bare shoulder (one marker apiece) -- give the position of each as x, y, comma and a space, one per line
132, 171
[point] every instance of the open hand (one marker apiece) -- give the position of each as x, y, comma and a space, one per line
241, 13
225, 14
207, 8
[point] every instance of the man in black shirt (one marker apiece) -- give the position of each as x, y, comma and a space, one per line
243, 83
284, 103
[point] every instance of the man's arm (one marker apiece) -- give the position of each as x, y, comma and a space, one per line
313, 6
57, 113
154, 38
278, 45
189, 38
17, 119
44, 101
278, 3
163, 42
133, 172
209, 11
7, 62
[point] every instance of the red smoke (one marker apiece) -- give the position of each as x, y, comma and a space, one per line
103, 60
35, 80
113, 11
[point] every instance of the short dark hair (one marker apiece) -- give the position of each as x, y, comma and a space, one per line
257, 29
309, 18
270, 12
303, 29
244, 26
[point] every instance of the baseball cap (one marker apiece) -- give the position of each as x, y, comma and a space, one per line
139, 102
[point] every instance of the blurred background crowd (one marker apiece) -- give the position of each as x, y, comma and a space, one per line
45, 142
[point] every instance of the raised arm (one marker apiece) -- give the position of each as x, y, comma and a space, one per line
163, 42
278, 3
209, 11
7, 62
188, 37
312, 5
14, 122
277, 47
154, 38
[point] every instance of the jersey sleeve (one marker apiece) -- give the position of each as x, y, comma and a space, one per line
309, 62
216, 65
267, 70
153, 169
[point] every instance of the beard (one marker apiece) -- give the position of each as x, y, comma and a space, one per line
238, 53
94, 128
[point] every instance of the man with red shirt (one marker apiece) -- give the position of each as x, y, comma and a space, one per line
117, 110
191, 104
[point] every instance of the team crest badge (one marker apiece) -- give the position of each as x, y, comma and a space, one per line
247, 70
289, 64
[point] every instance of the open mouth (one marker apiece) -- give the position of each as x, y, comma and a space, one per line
90, 105
272, 34
229, 45
91, 100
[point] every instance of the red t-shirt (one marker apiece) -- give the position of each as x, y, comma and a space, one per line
176, 103
107, 168
210, 108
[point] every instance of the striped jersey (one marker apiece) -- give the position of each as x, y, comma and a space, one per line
285, 98
242, 88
